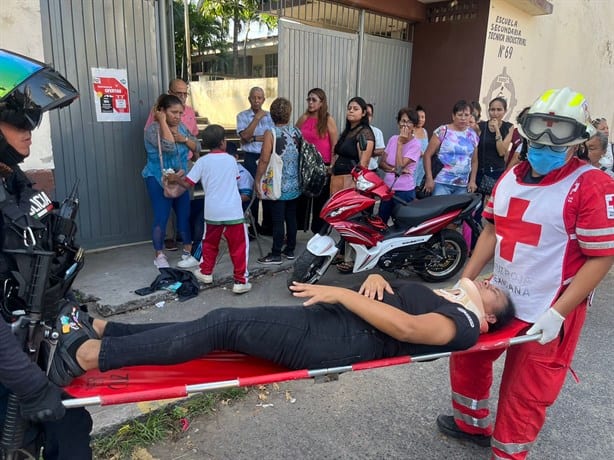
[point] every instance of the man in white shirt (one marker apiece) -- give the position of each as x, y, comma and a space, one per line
380, 145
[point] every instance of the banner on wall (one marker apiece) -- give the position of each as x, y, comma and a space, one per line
111, 97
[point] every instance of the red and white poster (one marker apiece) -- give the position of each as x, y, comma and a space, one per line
111, 97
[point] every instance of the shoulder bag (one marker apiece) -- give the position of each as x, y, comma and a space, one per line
171, 190
270, 182
436, 167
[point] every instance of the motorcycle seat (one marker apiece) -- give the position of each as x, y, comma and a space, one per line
418, 211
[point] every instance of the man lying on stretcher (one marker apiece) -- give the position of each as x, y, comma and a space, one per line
334, 327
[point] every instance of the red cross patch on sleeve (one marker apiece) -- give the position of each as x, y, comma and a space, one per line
609, 206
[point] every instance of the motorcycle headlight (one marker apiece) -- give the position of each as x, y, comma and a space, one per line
363, 184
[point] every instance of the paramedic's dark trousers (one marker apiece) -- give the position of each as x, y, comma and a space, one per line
296, 337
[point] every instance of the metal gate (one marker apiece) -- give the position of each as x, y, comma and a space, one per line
314, 57
107, 157
384, 80
310, 57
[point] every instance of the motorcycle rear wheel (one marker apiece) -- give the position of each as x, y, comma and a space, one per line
306, 268
438, 267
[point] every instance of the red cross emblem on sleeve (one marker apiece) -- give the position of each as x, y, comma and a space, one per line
513, 229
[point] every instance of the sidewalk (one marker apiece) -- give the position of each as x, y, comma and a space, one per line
110, 277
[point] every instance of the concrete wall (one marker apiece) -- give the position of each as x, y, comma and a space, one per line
574, 46
221, 100
16, 17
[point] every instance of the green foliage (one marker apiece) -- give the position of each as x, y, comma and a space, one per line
207, 32
159, 425
241, 13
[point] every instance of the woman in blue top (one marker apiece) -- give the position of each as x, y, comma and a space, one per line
175, 143
286, 142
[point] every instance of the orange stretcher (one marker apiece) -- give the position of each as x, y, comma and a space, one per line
222, 370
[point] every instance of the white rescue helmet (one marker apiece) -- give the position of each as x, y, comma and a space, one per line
559, 117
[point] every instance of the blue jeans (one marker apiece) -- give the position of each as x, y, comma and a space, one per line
292, 336
449, 189
386, 207
283, 215
162, 210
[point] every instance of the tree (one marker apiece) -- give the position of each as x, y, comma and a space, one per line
241, 13
206, 33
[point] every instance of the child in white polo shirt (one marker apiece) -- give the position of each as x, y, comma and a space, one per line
218, 173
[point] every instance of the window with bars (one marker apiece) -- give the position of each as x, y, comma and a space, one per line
270, 65
452, 12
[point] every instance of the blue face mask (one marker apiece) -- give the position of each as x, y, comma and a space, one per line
545, 158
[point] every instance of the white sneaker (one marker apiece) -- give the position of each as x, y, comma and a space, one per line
240, 288
161, 261
207, 279
188, 261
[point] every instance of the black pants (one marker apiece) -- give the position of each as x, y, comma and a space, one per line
283, 216
293, 336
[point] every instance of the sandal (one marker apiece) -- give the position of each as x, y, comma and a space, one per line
345, 267
74, 328
339, 258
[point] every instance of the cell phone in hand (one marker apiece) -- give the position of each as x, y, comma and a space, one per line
362, 142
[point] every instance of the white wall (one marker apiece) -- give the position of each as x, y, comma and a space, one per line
21, 32
574, 46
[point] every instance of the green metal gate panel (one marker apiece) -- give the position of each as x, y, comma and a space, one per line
106, 157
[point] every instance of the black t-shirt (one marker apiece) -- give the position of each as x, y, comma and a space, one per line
488, 157
415, 298
347, 149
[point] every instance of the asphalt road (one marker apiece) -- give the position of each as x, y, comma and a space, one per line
384, 413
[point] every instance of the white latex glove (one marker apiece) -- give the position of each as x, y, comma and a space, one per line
549, 324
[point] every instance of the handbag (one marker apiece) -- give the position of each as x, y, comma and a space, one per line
171, 190
270, 182
436, 167
486, 185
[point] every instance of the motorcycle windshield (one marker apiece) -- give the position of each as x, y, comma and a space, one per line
29, 85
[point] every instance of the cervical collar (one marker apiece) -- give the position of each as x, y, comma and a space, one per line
466, 293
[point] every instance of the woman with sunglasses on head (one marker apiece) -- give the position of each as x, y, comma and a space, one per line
318, 127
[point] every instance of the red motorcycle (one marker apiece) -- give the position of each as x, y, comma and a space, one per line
418, 241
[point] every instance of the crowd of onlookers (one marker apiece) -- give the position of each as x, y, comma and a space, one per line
466, 155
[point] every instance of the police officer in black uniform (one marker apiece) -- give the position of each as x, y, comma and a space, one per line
65, 433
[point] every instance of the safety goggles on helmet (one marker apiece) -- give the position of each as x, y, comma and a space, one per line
554, 148
559, 130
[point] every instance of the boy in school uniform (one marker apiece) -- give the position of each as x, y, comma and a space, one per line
218, 172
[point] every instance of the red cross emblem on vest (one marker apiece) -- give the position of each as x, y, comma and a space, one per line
513, 230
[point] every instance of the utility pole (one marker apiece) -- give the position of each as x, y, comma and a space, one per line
188, 47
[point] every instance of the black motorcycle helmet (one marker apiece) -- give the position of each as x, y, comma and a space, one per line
28, 88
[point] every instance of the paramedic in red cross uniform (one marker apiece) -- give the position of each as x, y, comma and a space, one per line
550, 231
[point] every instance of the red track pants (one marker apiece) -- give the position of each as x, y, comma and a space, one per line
238, 247
532, 379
